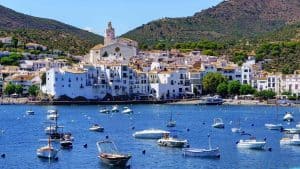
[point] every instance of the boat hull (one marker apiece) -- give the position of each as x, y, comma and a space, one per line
172, 143
219, 125
274, 126
208, 153
118, 162
47, 154
252, 145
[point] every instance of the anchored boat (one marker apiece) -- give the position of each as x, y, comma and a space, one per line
150, 134
47, 151
109, 154
251, 143
168, 141
218, 123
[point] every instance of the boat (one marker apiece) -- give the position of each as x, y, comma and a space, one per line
288, 117
66, 141
109, 154
105, 111
298, 125
51, 129
30, 112
127, 110
213, 101
168, 141
47, 151
150, 134
202, 152
272, 126
218, 123
171, 122
292, 130
52, 115
293, 139
115, 109
251, 143
237, 129
97, 128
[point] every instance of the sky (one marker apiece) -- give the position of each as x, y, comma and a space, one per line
93, 15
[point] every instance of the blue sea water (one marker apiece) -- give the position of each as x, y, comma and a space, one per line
22, 133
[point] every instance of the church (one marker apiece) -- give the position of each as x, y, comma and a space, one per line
113, 48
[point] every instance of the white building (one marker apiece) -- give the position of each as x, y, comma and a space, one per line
113, 48
6, 40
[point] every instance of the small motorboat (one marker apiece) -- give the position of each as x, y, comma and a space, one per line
251, 143
200, 152
274, 126
66, 141
288, 117
105, 111
127, 110
97, 128
218, 123
47, 151
298, 125
150, 134
30, 112
115, 109
293, 139
52, 115
168, 141
171, 122
292, 130
109, 154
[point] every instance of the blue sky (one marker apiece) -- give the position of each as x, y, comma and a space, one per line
94, 14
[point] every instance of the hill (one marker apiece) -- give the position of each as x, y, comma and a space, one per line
228, 21
51, 33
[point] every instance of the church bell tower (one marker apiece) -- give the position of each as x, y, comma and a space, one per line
109, 34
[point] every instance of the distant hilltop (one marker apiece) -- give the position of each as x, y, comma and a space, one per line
48, 32
229, 20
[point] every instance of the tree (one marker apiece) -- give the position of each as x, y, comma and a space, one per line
211, 81
15, 42
246, 89
265, 94
19, 89
234, 87
9, 89
160, 46
222, 89
33, 90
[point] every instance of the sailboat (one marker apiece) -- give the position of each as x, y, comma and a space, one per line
47, 151
171, 122
196, 152
272, 126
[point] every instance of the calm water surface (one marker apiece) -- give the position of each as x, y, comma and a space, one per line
22, 133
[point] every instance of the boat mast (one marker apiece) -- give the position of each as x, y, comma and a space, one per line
209, 143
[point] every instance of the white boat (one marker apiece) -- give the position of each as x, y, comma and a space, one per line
52, 111
96, 127
218, 123
30, 112
168, 141
127, 110
292, 130
291, 140
199, 152
109, 154
274, 126
251, 144
298, 125
52, 116
52, 129
150, 134
47, 151
115, 109
105, 111
171, 122
288, 117
236, 130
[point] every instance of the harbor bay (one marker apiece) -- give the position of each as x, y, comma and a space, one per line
22, 134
